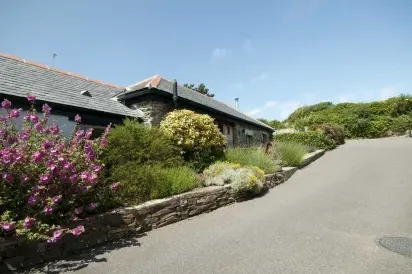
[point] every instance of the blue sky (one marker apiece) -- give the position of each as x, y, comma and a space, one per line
274, 55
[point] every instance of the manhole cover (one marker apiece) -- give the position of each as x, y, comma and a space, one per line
400, 245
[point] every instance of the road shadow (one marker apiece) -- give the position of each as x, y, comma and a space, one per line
82, 259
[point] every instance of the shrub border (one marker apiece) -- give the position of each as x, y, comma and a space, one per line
124, 222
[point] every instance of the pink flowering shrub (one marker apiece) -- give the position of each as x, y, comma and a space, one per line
46, 180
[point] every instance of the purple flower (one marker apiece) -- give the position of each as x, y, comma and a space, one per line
26, 117
46, 144
57, 199
31, 98
89, 133
68, 166
78, 210
9, 226
24, 179
37, 156
54, 129
84, 176
46, 109
92, 206
93, 178
97, 168
91, 155
24, 135
33, 118
45, 178
57, 235
79, 230
74, 178
80, 134
48, 210
38, 127
6, 104
14, 113
33, 200
74, 219
20, 157
77, 118
84, 189
54, 169
53, 151
103, 142
29, 222
62, 160
7, 177
7, 159
87, 148
115, 186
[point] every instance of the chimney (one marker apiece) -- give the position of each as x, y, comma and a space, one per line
237, 103
175, 95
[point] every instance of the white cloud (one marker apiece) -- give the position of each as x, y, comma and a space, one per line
253, 112
247, 46
280, 109
219, 53
367, 95
270, 104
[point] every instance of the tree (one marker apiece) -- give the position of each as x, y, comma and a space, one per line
201, 88
274, 123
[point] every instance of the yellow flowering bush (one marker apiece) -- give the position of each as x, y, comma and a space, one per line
196, 134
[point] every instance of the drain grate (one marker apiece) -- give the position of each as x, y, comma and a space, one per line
400, 245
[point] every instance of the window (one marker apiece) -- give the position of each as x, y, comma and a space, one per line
264, 138
249, 141
228, 130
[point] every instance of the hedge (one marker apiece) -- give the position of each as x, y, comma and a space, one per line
315, 139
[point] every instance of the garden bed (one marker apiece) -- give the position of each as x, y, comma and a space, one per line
127, 221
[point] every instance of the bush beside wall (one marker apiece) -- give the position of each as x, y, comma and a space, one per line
315, 139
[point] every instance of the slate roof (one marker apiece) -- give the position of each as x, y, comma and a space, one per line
193, 96
19, 77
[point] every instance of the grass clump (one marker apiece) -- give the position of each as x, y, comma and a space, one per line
291, 154
146, 182
254, 156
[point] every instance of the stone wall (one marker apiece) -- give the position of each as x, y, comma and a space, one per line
256, 139
154, 111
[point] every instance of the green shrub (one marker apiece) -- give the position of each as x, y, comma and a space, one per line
360, 120
400, 124
141, 183
315, 139
254, 156
291, 153
197, 136
140, 144
245, 181
334, 132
